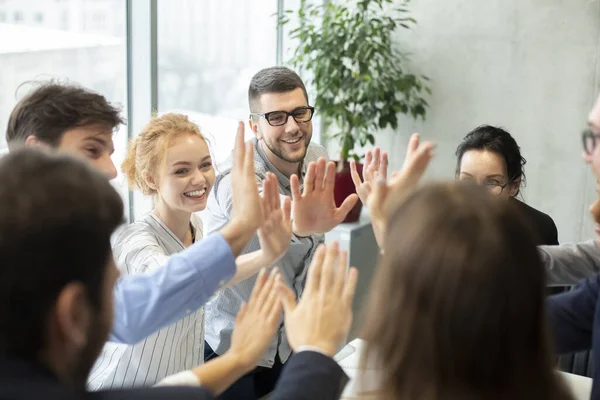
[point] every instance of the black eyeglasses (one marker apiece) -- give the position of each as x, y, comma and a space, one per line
589, 140
278, 118
496, 188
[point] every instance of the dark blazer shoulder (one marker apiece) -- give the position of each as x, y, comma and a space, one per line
309, 375
543, 223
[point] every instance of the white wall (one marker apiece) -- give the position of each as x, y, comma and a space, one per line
530, 66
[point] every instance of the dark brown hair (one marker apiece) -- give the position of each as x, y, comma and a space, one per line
456, 309
52, 108
57, 215
273, 80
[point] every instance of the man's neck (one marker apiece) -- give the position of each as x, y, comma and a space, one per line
286, 168
178, 222
51, 361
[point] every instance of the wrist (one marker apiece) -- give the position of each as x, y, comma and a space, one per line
237, 233
264, 259
322, 347
299, 233
238, 362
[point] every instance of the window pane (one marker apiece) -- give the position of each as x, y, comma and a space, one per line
80, 41
207, 52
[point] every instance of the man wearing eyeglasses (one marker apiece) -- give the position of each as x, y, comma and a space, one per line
575, 315
280, 119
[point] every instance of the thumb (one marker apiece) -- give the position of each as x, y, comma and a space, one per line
346, 207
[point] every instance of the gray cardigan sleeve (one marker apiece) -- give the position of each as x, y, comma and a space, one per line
567, 264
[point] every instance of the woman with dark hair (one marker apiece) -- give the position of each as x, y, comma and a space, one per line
490, 156
471, 320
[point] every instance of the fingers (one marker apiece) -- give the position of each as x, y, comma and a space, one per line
350, 286
376, 157
327, 271
241, 314
287, 297
322, 166
239, 149
383, 165
272, 301
354, 173
270, 193
261, 279
276, 197
295, 187
413, 144
314, 270
329, 183
414, 168
268, 295
248, 158
287, 209
309, 179
339, 273
345, 207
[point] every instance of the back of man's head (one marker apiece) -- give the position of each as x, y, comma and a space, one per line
53, 108
56, 219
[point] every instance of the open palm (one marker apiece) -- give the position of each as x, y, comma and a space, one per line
275, 234
314, 210
376, 165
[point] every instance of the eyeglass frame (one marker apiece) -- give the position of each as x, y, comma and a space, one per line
288, 115
502, 187
588, 133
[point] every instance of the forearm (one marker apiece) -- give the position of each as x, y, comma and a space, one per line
237, 235
248, 265
567, 264
147, 302
220, 373
379, 233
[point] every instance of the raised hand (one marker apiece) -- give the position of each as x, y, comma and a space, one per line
247, 205
255, 325
323, 316
314, 209
401, 183
258, 320
275, 234
376, 165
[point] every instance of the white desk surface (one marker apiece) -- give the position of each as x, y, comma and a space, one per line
349, 359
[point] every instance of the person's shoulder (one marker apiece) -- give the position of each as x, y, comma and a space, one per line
539, 215
135, 240
543, 222
143, 228
315, 151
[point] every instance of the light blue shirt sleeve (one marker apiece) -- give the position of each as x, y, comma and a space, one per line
144, 303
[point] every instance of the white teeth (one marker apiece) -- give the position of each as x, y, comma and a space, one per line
292, 141
195, 193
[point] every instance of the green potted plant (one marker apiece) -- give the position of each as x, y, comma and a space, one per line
356, 72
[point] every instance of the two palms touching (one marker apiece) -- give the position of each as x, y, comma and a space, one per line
377, 192
275, 234
314, 209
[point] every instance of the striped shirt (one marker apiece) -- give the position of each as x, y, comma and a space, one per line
223, 308
138, 248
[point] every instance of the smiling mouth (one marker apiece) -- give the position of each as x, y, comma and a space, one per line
196, 193
293, 140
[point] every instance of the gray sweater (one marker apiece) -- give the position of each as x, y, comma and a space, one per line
567, 264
